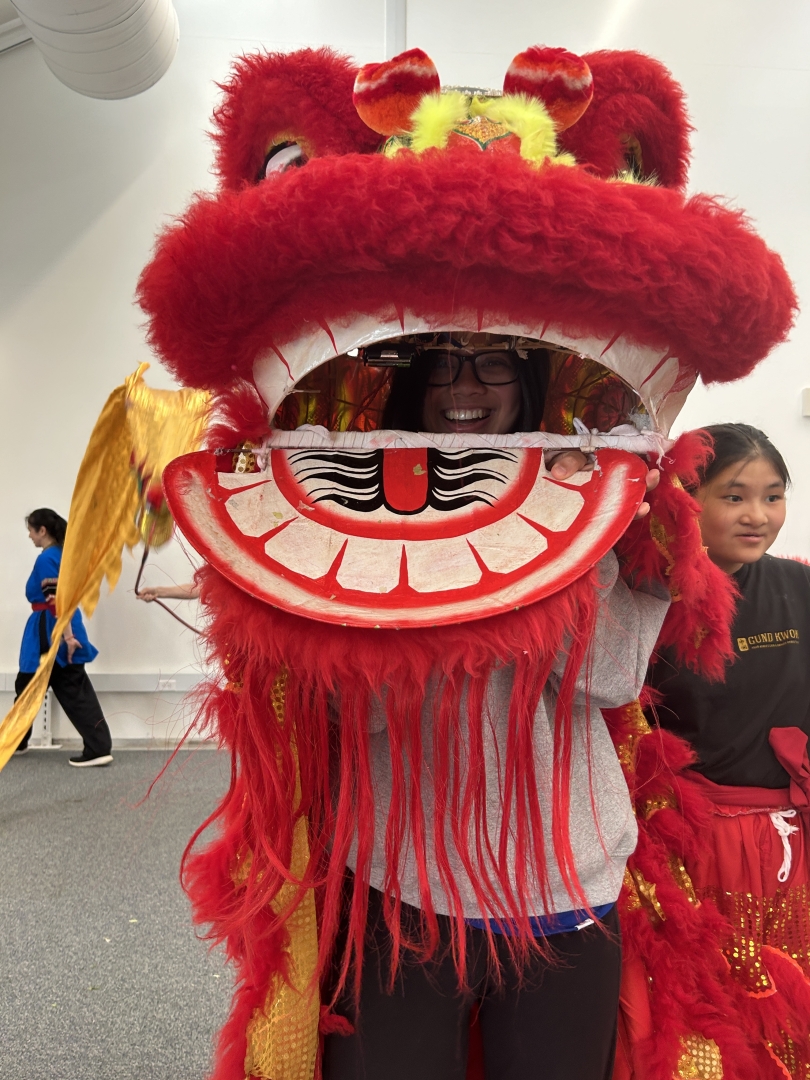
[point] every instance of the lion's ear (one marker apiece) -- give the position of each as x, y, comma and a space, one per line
386, 95
636, 121
560, 79
275, 99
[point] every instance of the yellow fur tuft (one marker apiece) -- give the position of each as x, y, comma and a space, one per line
627, 176
528, 119
435, 118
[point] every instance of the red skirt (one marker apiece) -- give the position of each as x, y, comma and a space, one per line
754, 864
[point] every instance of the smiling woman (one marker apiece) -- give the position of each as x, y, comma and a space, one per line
750, 731
465, 382
742, 497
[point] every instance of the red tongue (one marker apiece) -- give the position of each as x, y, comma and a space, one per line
405, 479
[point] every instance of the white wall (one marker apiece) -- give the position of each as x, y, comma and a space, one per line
85, 184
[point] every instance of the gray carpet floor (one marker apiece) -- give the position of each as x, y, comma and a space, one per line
101, 975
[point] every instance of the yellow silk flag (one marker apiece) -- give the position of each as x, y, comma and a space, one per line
107, 501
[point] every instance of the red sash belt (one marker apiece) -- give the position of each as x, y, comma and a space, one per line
789, 744
45, 607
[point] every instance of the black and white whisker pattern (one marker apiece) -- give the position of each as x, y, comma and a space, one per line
355, 479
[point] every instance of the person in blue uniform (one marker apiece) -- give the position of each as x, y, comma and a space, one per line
69, 680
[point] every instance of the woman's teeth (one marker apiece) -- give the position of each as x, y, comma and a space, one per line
466, 414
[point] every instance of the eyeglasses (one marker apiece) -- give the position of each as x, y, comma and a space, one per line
489, 368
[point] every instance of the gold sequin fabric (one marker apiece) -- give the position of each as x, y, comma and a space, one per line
282, 1037
635, 726
789, 1056
663, 541
641, 893
244, 460
682, 879
781, 921
700, 1059
482, 130
665, 801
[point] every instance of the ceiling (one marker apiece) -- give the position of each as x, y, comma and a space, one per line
12, 31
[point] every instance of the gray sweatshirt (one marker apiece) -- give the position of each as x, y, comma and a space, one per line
628, 624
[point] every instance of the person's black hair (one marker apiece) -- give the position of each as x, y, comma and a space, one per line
403, 410
738, 443
50, 520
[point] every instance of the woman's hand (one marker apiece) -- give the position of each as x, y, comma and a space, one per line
563, 465
189, 591
71, 644
653, 476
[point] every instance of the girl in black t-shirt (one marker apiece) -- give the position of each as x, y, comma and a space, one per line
750, 732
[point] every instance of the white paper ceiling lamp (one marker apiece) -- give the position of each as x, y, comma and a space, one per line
104, 48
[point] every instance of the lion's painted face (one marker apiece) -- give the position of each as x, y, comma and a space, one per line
362, 211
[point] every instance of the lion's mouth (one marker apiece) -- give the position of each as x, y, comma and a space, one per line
659, 380
342, 520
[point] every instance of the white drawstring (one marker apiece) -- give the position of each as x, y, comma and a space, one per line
778, 820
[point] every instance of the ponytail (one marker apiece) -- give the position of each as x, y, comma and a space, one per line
55, 525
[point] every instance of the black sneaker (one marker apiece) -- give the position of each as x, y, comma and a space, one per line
85, 760
22, 750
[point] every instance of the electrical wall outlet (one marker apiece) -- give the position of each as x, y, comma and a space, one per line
167, 684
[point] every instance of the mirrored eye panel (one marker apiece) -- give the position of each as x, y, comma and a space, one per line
281, 158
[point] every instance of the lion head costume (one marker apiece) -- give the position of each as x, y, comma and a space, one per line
360, 214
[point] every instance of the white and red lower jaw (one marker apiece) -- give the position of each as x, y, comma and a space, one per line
403, 537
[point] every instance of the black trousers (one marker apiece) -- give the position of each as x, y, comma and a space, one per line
74, 692
558, 1023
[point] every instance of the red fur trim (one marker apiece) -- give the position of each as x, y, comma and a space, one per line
634, 95
237, 416
246, 271
303, 96
698, 623
334, 674
333, 1024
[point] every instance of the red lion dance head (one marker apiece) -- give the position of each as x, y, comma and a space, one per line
357, 565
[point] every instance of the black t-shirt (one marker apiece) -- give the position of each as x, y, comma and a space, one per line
767, 685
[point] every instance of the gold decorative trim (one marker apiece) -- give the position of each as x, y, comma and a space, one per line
700, 1060
637, 727
641, 893
282, 1036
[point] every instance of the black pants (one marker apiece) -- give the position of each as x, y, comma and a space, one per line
559, 1024
74, 692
